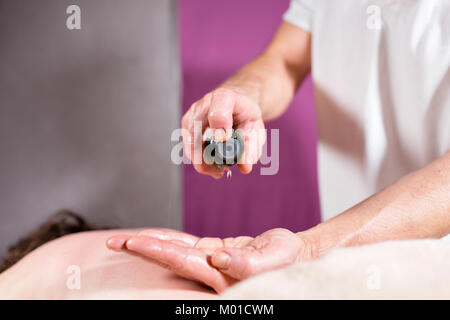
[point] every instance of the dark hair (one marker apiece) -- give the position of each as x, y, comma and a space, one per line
59, 224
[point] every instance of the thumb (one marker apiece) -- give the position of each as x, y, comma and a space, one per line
240, 263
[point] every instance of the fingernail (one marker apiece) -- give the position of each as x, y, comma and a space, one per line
110, 244
222, 260
130, 244
115, 243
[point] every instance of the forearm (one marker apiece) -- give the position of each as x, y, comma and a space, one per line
417, 206
272, 78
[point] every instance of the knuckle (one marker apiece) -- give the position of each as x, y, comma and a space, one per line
282, 231
207, 97
185, 120
217, 117
225, 91
194, 108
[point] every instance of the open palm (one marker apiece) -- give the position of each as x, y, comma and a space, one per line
218, 263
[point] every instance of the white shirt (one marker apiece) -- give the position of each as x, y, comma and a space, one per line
382, 90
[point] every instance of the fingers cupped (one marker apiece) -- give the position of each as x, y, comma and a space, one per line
187, 262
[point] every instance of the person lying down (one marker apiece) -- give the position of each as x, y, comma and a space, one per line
45, 265
81, 266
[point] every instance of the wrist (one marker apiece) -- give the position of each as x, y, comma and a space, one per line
309, 246
320, 240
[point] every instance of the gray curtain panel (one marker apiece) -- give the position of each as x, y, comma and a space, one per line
86, 114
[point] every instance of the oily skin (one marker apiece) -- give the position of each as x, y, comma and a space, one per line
218, 263
104, 274
416, 206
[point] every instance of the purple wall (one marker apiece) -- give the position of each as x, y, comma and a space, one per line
217, 37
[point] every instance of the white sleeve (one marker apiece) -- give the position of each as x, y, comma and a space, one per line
300, 14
